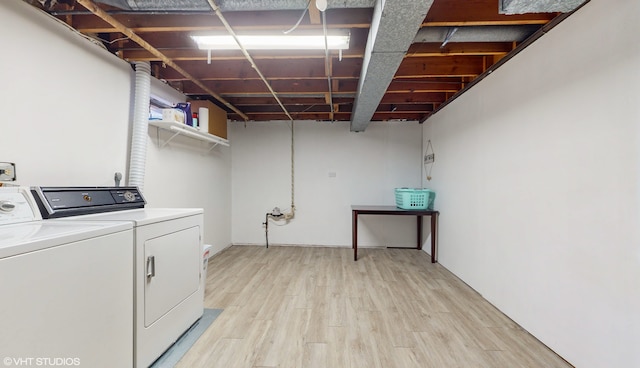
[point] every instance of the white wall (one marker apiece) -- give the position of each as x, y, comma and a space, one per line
537, 175
185, 174
367, 166
64, 101
66, 107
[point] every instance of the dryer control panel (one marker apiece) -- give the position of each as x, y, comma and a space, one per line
55, 202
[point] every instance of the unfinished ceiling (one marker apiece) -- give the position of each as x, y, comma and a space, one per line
406, 57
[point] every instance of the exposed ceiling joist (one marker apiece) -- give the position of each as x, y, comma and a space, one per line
90, 5
228, 5
405, 77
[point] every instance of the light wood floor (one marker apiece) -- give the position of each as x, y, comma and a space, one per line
315, 307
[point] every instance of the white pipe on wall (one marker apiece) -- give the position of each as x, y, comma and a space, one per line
138, 156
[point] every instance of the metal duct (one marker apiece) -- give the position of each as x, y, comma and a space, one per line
229, 5
477, 34
511, 7
393, 29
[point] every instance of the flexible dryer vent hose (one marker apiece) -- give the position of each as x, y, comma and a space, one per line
138, 155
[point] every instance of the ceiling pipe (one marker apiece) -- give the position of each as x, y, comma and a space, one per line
475, 34
216, 9
289, 215
327, 61
92, 7
448, 37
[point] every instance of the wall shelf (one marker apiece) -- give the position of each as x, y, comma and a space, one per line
182, 129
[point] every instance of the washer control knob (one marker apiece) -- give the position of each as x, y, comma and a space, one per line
7, 206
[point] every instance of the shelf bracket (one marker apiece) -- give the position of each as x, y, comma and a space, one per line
214, 146
169, 140
181, 129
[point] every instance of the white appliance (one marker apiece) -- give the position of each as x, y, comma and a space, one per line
167, 281
66, 295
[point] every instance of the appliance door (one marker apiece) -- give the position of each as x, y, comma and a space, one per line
168, 301
69, 304
172, 271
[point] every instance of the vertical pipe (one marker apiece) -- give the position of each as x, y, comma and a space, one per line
327, 62
138, 155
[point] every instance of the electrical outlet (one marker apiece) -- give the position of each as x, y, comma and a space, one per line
429, 158
7, 171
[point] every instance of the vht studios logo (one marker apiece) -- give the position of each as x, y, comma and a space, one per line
40, 362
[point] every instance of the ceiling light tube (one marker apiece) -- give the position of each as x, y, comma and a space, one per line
335, 41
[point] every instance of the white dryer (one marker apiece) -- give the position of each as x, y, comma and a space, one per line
66, 299
168, 292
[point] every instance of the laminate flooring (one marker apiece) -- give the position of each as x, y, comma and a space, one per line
315, 307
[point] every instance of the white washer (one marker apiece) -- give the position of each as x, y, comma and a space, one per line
66, 299
168, 292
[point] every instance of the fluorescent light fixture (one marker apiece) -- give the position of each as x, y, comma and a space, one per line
336, 40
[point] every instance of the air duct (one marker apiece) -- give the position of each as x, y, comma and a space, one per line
138, 155
512, 7
393, 28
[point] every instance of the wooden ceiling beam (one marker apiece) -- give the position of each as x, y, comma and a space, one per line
91, 6
455, 13
422, 86
413, 98
272, 69
432, 49
276, 109
201, 55
417, 50
400, 108
337, 116
287, 101
298, 116
441, 66
248, 87
183, 41
314, 14
313, 69
485, 23
410, 116
240, 21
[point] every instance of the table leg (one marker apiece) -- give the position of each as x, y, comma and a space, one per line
419, 232
354, 234
434, 230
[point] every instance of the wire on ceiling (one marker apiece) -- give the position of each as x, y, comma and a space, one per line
447, 38
233, 34
304, 12
327, 63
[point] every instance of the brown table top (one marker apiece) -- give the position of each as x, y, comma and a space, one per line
390, 210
